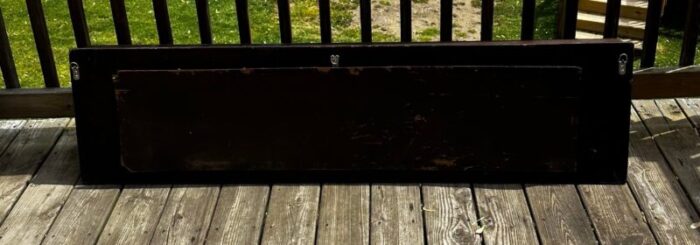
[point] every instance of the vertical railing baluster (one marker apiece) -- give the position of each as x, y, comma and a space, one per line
486, 20
285, 21
612, 19
80, 28
243, 21
445, 20
7, 62
405, 12
568, 18
203, 21
121, 22
366, 20
690, 35
43, 43
527, 26
651, 33
324, 9
165, 33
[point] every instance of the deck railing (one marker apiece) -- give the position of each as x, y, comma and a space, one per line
52, 101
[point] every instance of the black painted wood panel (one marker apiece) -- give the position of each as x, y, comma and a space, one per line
594, 103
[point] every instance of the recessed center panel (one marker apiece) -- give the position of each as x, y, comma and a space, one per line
474, 118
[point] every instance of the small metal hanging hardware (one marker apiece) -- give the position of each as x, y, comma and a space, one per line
75, 71
622, 64
335, 60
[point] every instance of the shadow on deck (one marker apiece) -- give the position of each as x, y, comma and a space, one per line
43, 200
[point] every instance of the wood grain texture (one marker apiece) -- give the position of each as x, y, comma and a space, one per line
691, 108
505, 214
659, 116
36, 103
61, 166
677, 139
24, 155
450, 214
660, 83
659, 194
615, 215
44, 197
135, 215
559, 215
83, 215
8, 131
187, 215
239, 215
344, 215
292, 214
396, 216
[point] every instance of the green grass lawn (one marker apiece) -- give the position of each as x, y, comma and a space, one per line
263, 18
507, 19
507, 27
264, 27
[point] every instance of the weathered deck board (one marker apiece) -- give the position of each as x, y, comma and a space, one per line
292, 215
396, 216
691, 109
668, 111
615, 215
8, 131
559, 215
677, 140
668, 210
239, 215
450, 214
505, 213
187, 215
83, 215
21, 159
344, 214
135, 215
355, 214
44, 197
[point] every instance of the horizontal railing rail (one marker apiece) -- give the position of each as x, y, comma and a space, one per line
54, 101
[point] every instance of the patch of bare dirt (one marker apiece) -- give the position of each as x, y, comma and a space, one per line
466, 19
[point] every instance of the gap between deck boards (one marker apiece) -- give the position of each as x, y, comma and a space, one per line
44, 202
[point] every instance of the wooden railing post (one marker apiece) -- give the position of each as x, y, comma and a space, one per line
7, 62
285, 21
80, 27
445, 20
527, 28
567, 18
203, 21
690, 35
324, 8
366, 20
165, 33
243, 22
43, 43
651, 33
405, 16
486, 20
121, 22
612, 18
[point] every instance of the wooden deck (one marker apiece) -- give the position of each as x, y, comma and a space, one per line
43, 201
